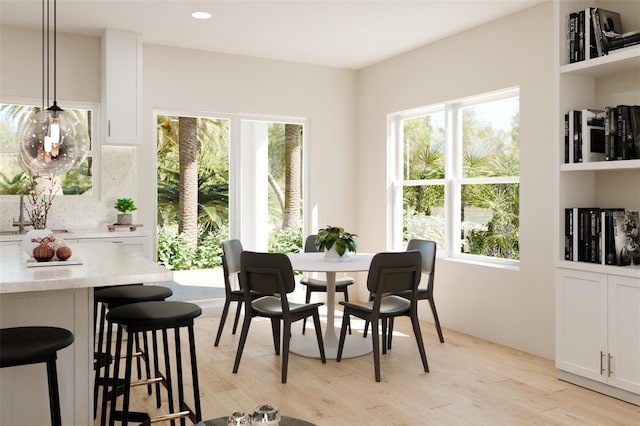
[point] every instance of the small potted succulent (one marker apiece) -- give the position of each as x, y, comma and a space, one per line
125, 206
335, 238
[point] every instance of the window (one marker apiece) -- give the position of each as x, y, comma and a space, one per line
454, 171
14, 180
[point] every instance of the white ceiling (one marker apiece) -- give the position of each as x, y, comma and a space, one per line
347, 34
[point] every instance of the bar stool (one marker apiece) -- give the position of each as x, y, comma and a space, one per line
153, 316
33, 345
112, 297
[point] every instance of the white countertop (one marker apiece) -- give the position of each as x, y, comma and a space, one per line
103, 264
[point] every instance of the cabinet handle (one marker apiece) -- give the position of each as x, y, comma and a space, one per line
609, 363
117, 242
109, 128
601, 363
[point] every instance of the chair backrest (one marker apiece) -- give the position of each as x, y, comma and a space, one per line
266, 273
231, 250
394, 272
310, 244
427, 249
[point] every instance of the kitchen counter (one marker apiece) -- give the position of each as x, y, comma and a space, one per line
61, 296
81, 233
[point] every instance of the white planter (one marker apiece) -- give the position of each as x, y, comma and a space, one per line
332, 256
124, 219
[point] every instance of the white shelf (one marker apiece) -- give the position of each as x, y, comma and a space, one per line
632, 271
600, 165
627, 59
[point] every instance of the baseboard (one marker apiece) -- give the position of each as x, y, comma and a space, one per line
603, 388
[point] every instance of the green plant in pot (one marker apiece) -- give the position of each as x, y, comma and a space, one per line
336, 237
125, 206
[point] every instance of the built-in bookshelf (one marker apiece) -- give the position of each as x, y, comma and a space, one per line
595, 346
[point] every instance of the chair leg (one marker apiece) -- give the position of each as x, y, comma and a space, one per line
285, 350
346, 299
435, 319
237, 318
375, 338
54, 394
307, 299
275, 329
316, 323
223, 319
243, 338
390, 333
343, 334
384, 335
419, 341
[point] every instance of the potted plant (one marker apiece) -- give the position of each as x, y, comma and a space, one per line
335, 238
125, 206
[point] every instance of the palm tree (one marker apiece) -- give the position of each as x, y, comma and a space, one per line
188, 199
293, 154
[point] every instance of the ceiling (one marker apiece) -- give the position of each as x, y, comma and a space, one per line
346, 34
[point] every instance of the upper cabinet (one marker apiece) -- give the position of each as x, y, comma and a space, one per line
122, 87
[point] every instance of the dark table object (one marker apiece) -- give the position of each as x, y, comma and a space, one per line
284, 421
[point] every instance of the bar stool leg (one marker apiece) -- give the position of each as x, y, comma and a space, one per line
167, 366
54, 395
194, 374
181, 403
156, 368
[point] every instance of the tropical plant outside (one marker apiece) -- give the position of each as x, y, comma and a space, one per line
490, 211
183, 246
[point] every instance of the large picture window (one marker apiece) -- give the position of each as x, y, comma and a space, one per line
14, 180
455, 176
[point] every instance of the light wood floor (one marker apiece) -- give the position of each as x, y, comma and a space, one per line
472, 382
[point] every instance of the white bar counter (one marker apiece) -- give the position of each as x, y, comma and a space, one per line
61, 296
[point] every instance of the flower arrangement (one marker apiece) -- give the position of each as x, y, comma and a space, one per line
43, 191
330, 235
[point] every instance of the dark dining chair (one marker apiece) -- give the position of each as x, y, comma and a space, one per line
231, 250
268, 274
428, 250
319, 285
389, 273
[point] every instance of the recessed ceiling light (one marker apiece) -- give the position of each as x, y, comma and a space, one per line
201, 15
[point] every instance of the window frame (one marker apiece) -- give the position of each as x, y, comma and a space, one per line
93, 152
453, 180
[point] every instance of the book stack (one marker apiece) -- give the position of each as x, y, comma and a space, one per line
595, 32
602, 135
604, 236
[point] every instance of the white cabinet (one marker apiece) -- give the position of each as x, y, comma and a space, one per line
598, 331
597, 306
122, 87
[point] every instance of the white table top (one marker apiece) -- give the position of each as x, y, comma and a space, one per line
103, 264
317, 262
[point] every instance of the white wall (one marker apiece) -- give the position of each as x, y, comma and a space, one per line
190, 80
515, 308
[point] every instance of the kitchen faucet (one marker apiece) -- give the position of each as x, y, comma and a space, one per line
21, 223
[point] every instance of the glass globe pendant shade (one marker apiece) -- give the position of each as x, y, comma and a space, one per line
53, 142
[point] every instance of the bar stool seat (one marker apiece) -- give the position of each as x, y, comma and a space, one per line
154, 316
112, 297
33, 345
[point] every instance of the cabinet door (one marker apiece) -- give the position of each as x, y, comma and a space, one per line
624, 333
581, 323
122, 87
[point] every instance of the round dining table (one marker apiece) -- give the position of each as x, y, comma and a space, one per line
307, 345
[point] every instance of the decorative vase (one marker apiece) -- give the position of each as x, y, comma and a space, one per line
31, 239
265, 414
332, 255
124, 219
63, 253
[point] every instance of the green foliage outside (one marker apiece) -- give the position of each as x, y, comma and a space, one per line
487, 152
174, 251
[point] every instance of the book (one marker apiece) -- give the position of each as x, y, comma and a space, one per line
573, 37
591, 49
567, 141
626, 227
607, 236
608, 27
610, 126
569, 234
634, 114
575, 127
592, 135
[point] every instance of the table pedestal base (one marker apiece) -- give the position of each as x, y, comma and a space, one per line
307, 345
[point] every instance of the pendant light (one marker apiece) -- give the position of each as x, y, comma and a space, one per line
53, 140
